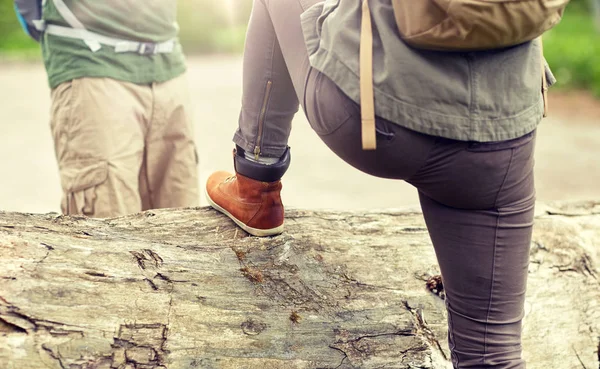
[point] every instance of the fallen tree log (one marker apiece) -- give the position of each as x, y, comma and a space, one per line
187, 289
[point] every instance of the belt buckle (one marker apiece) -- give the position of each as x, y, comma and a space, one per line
147, 48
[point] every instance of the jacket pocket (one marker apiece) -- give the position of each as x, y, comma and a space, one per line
79, 181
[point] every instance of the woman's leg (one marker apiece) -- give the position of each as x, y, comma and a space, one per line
477, 199
276, 67
478, 204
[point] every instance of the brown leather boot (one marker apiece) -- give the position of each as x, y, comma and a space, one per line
253, 204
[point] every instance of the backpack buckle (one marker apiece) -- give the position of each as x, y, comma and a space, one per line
147, 48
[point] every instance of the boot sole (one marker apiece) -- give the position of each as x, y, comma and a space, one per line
253, 231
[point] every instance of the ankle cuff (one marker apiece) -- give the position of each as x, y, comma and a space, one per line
258, 171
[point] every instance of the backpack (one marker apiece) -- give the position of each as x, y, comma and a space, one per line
456, 25
29, 13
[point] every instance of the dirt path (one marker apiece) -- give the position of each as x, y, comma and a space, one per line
568, 152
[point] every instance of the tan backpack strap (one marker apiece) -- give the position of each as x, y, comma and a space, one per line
367, 99
544, 79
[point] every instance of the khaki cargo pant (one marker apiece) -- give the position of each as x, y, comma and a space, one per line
123, 148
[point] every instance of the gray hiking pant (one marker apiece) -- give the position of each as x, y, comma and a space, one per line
477, 198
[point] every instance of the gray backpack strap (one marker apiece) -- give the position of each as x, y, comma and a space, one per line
120, 46
70, 18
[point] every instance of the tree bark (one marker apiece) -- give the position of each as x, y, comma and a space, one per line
187, 289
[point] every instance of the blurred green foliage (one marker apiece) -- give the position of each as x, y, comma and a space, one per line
573, 50
213, 25
209, 26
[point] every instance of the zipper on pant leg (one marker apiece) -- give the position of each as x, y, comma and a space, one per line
261, 118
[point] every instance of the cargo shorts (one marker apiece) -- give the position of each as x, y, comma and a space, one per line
122, 148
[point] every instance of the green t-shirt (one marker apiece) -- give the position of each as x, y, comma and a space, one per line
135, 20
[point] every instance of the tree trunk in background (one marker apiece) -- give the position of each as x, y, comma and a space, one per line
187, 289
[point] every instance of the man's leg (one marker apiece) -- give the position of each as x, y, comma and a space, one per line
97, 126
169, 176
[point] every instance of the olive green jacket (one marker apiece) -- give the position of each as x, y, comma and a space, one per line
470, 96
